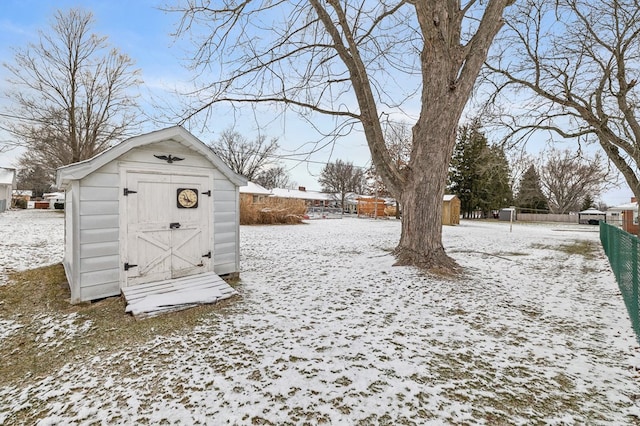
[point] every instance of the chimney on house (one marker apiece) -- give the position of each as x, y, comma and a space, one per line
302, 188
633, 199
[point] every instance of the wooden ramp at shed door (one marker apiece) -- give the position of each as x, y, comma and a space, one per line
151, 299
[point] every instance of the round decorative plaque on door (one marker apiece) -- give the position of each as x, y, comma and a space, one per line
187, 198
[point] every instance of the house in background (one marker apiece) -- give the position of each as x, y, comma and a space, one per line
21, 198
624, 216
311, 198
254, 193
7, 183
350, 202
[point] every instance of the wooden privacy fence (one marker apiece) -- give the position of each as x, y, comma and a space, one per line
538, 217
371, 207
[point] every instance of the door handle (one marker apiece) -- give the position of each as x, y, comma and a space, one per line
174, 225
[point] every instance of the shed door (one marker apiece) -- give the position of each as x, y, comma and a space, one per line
164, 241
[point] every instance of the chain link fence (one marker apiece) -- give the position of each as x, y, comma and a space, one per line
622, 250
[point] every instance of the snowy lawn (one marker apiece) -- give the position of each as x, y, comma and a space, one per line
326, 331
30, 238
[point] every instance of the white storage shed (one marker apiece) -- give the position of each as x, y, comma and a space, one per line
155, 207
7, 183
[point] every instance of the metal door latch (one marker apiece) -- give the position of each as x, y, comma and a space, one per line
128, 266
174, 225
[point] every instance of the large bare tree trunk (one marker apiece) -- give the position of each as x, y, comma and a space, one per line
363, 51
449, 71
421, 238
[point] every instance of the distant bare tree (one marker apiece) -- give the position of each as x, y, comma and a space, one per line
519, 163
341, 178
356, 62
273, 177
567, 177
70, 95
245, 157
398, 140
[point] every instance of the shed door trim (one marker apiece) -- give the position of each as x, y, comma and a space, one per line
164, 252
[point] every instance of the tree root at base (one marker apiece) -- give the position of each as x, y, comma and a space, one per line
436, 262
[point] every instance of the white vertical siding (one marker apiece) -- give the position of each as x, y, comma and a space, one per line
71, 241
93, 223
98, 260
5, 196
225, 226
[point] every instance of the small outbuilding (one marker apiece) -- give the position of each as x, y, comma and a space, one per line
156, 207
7, 183
591, 216
450, 210
507, 214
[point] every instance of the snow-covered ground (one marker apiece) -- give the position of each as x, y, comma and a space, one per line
30, 238
327, 331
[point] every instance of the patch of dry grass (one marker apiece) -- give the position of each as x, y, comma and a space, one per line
580, 247
38, 298
583, 248
271, 211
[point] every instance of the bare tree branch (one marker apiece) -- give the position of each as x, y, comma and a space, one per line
356, 61
572, 69
71, 96
245, 157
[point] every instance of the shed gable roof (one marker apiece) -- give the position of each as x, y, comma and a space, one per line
81, 169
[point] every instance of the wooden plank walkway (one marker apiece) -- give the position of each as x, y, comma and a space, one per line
151, 299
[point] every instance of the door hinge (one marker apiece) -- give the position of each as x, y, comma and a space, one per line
207, 193
128, 266
128, 191
207, 255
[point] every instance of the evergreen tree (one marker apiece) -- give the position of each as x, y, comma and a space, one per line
587, 203
530, 198
479, 174
463, 171
33, 177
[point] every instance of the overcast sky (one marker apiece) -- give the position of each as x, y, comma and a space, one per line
141, 30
